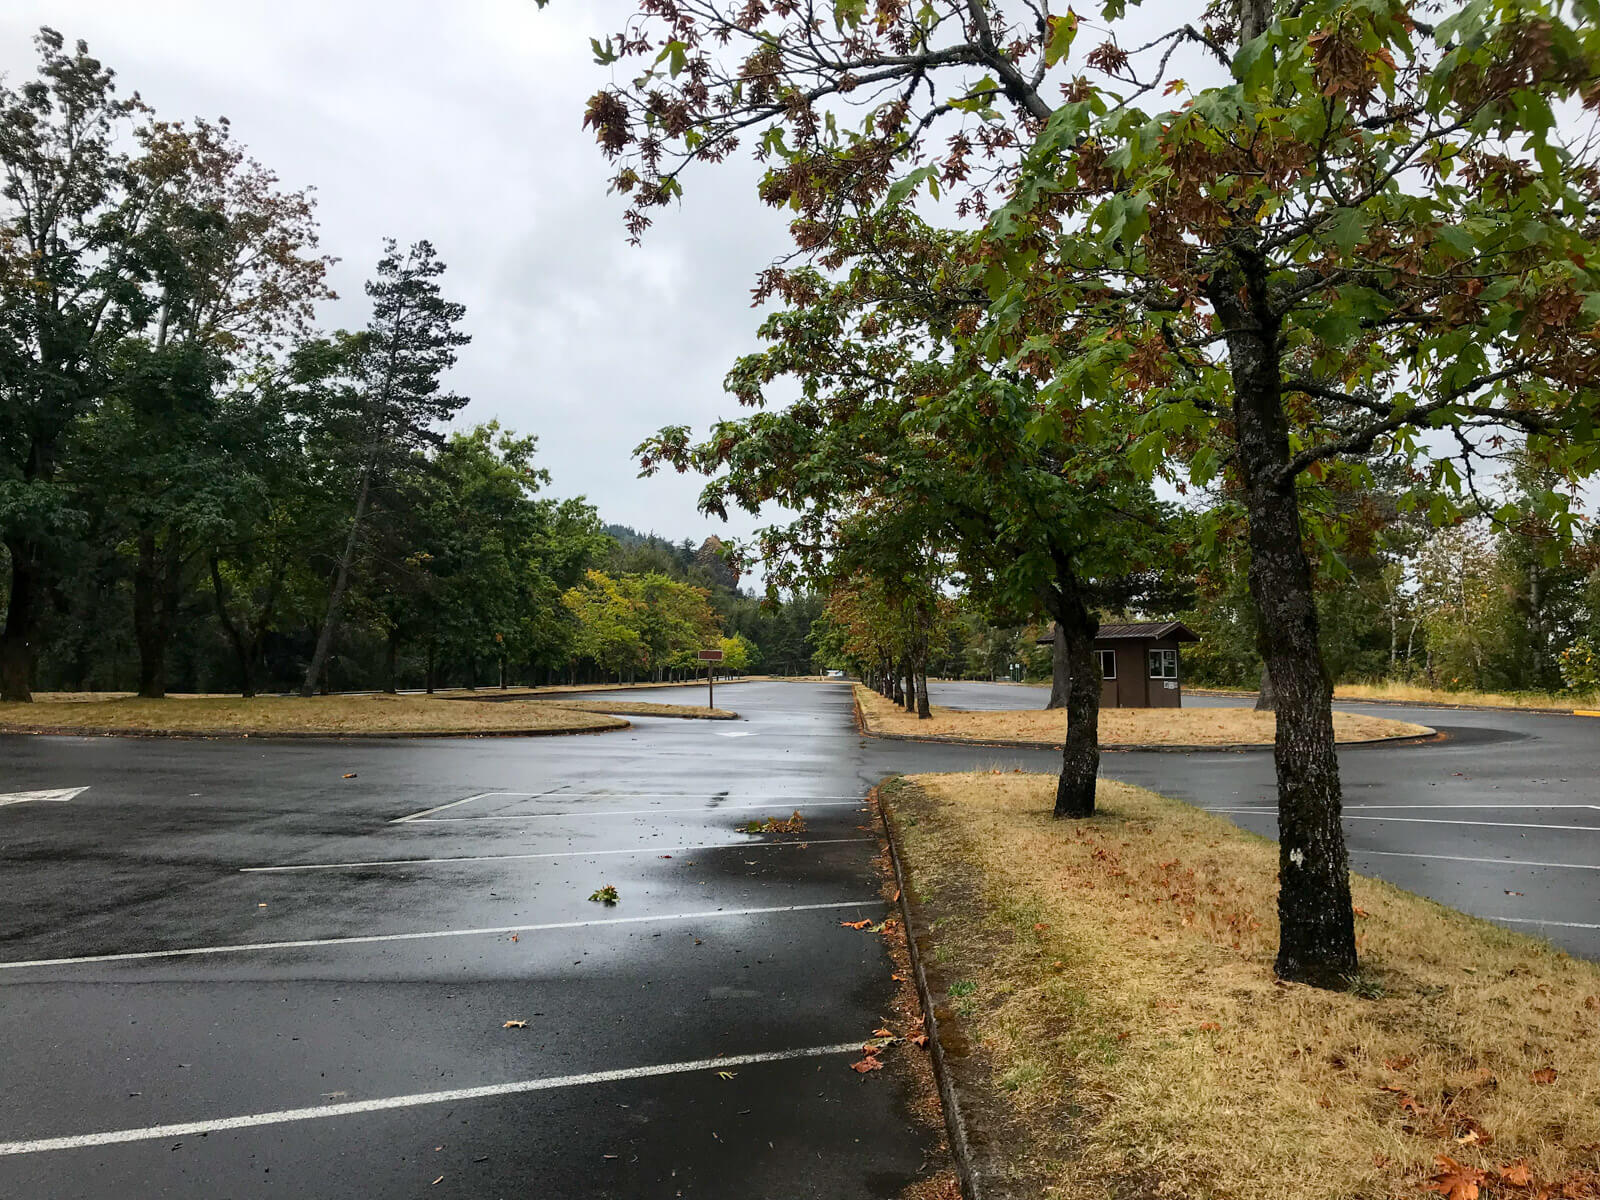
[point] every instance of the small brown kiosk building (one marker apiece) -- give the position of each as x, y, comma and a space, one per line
1139, 663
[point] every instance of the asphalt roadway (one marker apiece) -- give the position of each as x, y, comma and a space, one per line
228, 970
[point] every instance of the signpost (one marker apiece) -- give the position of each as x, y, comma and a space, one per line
710, 657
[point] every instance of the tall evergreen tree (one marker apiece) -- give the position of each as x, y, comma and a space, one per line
409, 344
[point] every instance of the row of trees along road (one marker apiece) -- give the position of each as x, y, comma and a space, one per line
189, 469
1359, 236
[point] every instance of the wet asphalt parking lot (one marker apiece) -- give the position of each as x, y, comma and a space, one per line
228, 971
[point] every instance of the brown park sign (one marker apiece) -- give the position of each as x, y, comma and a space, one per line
711, 656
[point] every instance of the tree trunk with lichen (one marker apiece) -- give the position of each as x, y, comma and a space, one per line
1266, 699
1316, 923
1060, 672
1080, 751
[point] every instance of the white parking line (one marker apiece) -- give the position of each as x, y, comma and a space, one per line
1494, 862
1432, 821
467, 800
465, 858
1508, 808
369, 939
781, 803
417, 1099
691, 796
1272, 808
642, 812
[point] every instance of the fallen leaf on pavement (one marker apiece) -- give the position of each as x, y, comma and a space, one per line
855, 924
352, 775
1509, 892
867, 1064
919, 1039
515, 1025
883, 1033
726, 1074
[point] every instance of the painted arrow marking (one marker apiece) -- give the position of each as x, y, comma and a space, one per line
55, 795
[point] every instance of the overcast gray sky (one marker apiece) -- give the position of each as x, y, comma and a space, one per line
461, 122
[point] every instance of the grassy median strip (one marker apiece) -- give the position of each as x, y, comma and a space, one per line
646, 708
1410, 693
1118, 726
331, 715
1114, 978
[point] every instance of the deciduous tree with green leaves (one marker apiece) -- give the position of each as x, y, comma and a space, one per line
1360, 232
909, 457
69, 210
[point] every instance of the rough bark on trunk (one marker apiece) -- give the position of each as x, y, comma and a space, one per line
155, 596
1266, 698
16, 638
242, 650
924, 706
1080, 751
1060, 671
1316, 941
341, 584
391, 662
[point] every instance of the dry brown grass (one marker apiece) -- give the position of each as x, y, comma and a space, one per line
558, 689
1415, 694
1118, 726
333, 715
1117, 975
646, 708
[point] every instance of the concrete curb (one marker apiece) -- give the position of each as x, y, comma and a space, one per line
955, 1123
300, 736
1130, 748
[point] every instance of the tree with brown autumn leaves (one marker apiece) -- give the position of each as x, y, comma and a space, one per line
1364, 231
